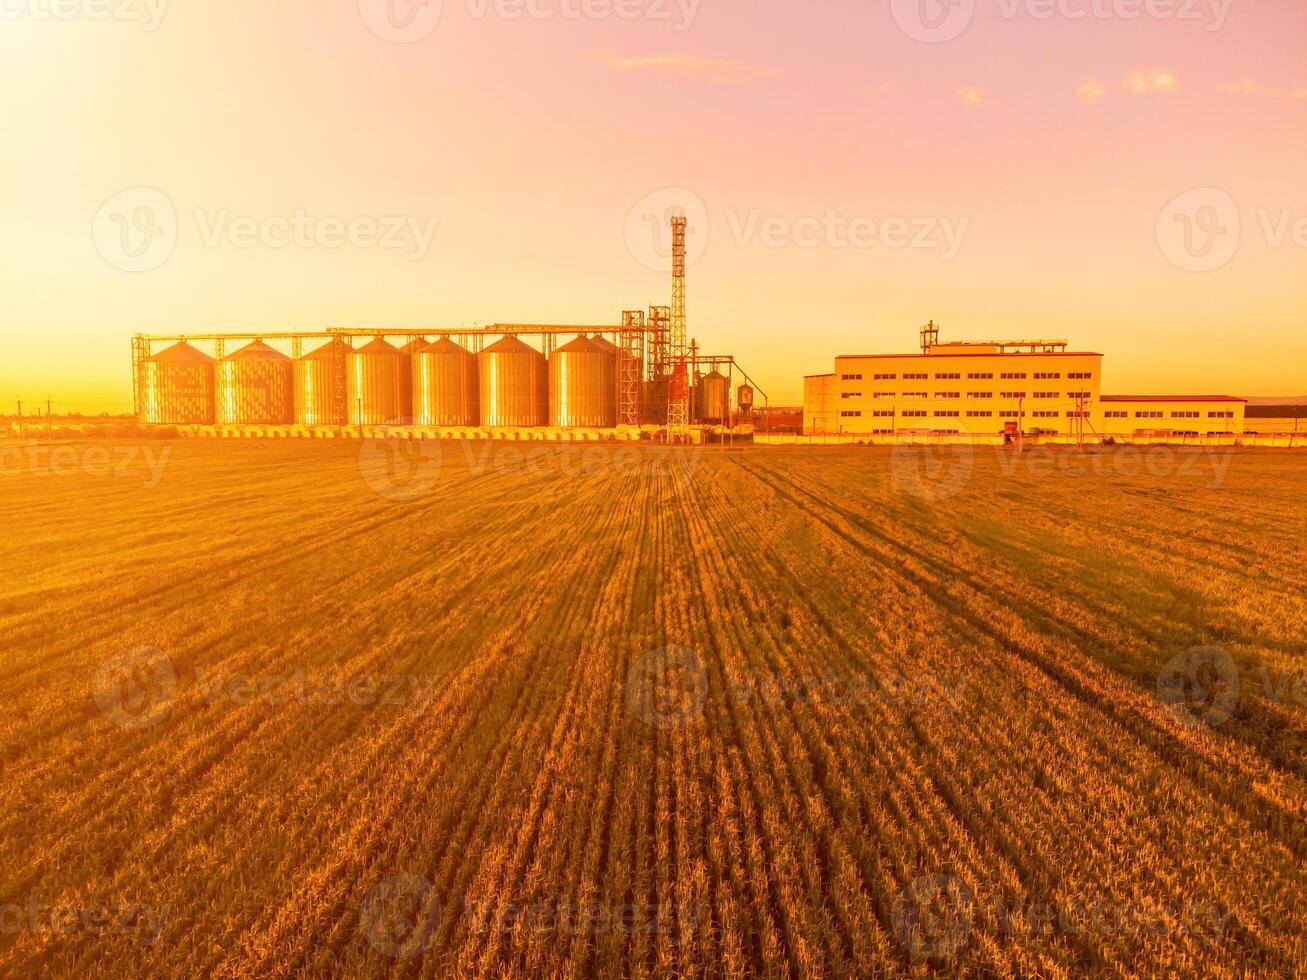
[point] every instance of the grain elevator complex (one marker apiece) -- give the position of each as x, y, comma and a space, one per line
637, 378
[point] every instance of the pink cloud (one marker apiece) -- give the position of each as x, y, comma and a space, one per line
973, 96
719, 69
1252, 88
1091, 91
1153, 80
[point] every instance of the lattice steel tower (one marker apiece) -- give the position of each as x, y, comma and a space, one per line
678, 396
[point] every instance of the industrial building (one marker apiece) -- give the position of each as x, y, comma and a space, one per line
998, 388
637, 378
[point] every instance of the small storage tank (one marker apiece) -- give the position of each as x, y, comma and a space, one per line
514, 385
583, 386
315, 382
379, 385
446, 385
255, 387
177, 387
714, 399
744, 399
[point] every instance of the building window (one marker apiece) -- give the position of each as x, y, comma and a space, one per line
1008, 415
1080, 375
1048, 376
1220, 415
884, 414
1077, 415
980, 415
882, 394
850, 394
850, 377
885, 377
1013, 376
1148, 415
1044, 415
1046, 394
914, 415
948, 394
1012, 394
850, 415
946, 415
948, 377
980, 394
1078, 395
980, 377
915, 394
1185, 415
1116, 415
915, 377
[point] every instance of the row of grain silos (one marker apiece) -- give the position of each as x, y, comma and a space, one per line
508, 385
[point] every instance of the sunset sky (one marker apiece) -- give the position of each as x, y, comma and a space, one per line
1050, 148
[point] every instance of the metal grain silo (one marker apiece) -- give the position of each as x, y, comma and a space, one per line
744, 399
514, 385
583, 386
379, 385
177, 387
319, 385
446, 385
255, 387
713, 399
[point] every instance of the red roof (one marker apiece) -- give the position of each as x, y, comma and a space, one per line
1170, 398
940, 357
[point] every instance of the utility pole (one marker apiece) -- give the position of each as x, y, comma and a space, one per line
20, 418
49, 421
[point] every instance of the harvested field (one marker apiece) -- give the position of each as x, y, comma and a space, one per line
271, 710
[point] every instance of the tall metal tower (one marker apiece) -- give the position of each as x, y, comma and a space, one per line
678, 395
630, 367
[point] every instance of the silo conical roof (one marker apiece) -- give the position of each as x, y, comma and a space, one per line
326, 352
378, 346
257, 351
182, 353
510, 345
444, 346
582, 345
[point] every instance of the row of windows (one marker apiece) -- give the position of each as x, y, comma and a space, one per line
1175, 415
977, 414
976, 376
1070, 395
